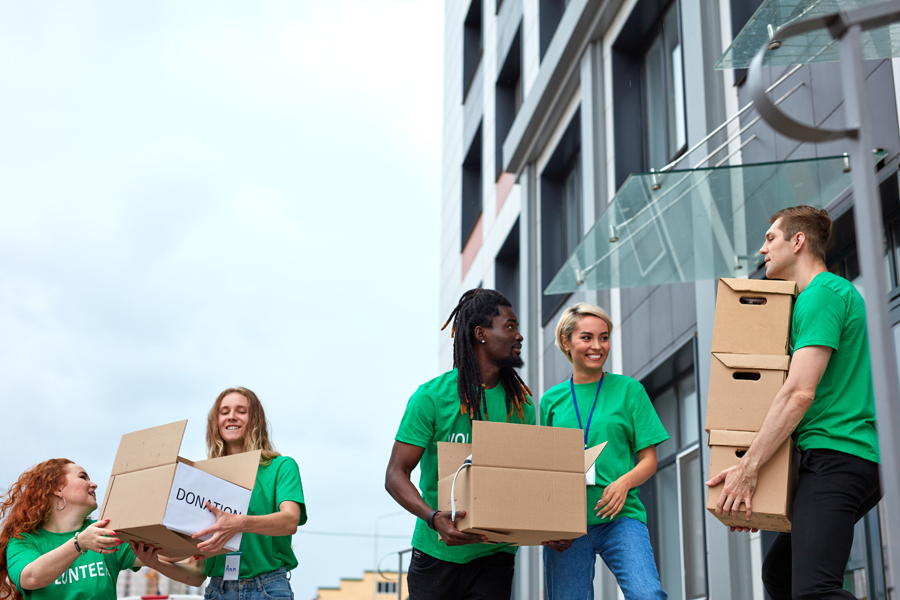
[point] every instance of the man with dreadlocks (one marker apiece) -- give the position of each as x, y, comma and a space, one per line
483, 385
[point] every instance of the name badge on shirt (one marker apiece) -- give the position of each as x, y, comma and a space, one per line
232, 566
590, 478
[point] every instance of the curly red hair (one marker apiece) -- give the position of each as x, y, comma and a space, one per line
25, 507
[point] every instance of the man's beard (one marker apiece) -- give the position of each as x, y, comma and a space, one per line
515, 362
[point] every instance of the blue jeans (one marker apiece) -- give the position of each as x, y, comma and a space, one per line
262, 587
624, 545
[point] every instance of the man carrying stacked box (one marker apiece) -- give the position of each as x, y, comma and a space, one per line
828, 399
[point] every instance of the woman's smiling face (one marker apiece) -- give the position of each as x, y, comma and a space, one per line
234, 413
589, 344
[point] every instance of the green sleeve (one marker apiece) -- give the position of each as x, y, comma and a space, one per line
546, 416
19, 554
818, 319
288, 487
647, 429
125, 558
417, 425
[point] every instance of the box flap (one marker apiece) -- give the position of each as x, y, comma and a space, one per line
149, 448
774, 362
721, 437
591, 455
515, 446
767, 286
450, 456
239, 469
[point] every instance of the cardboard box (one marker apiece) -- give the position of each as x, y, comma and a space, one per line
526, 484
157, 497
741, 389
753, 316
775, 486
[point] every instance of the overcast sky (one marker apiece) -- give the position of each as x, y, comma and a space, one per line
197, 195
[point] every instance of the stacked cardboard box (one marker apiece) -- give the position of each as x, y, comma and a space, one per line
749, 365
525, 484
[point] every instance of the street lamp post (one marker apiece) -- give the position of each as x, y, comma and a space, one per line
375, 550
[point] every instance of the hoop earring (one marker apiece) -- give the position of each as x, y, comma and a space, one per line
65, 504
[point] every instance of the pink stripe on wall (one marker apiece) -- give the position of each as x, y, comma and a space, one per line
473, 245
504, 187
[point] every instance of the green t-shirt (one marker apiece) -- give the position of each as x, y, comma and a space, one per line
624, 417
277, 482
432, 415
91, 576
831, 312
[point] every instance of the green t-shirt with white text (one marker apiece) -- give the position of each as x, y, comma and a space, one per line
91, 576
831, 312
433, 415
277, 482
624, 417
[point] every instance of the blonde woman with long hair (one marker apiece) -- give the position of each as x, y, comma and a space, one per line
237, 423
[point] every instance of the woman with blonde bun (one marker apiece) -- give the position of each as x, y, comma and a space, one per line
607, 408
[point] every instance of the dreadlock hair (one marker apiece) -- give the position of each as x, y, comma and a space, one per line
477, 308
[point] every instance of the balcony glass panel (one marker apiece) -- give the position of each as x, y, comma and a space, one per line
816, 46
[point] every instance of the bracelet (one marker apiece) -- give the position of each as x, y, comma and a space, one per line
78, 546
430, 519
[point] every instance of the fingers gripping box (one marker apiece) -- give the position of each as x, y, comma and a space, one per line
157, 497
526, 484
775, 486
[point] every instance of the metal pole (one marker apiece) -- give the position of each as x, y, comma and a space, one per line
400, 576
869, 236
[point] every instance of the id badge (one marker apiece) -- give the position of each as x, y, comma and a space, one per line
232, 566
590, 478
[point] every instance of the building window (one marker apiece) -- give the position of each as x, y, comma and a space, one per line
648, 90
551, 12
508, 98
664, 93
471, 188
675, 497
506, 268
473, 45
387, 587
561, 210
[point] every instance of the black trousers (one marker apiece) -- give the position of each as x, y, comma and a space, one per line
489, 577
835, 490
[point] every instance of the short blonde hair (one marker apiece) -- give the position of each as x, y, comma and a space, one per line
570, 318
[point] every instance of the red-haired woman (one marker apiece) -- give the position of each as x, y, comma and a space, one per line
50, 549
236, 424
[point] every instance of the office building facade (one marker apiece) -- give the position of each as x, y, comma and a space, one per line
549, 106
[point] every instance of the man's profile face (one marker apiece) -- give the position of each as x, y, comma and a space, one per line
778, 253
503, 342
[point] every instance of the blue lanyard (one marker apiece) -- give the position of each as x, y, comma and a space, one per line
590, 416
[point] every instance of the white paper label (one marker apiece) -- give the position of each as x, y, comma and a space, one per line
232, 567
590, 478
192, 488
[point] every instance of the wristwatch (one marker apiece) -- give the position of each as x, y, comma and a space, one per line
78, 546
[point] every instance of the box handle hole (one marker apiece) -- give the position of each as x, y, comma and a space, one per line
752, 300
740, 453
751, 376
